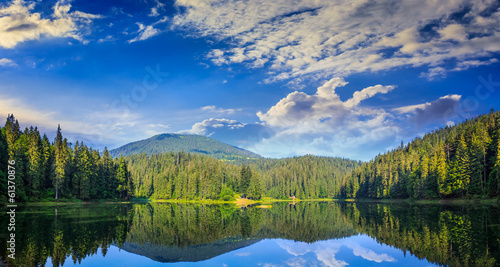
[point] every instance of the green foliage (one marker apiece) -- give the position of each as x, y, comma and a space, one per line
245, 177
192, 176
59, 170
254, 190
458, 161
226, 194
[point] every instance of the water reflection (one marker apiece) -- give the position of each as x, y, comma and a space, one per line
305, 234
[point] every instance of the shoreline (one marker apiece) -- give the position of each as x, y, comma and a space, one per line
243, 202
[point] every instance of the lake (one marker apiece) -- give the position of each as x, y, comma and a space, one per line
284, 234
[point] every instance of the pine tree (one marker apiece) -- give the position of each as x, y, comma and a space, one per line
245, 177
48, 161
61, 160
255, 188
494, 179
85, 169
12, 133
122, 178
441, 173
105, 170
35, 169
476, 167
463, 160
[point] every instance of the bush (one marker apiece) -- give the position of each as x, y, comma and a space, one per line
226, 194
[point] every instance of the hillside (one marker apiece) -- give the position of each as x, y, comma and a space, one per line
163, 143
462, 161
170, 176
188, 254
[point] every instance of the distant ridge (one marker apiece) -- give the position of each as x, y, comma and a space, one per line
168, 142
188, 254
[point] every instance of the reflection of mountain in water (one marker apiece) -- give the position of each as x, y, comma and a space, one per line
446, 235
191, 253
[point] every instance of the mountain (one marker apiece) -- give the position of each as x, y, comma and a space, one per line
163, 143
191, 253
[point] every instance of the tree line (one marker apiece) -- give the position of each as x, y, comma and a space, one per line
461, 161
59, 169
180, 175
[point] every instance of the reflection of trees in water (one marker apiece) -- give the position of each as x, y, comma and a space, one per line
71, 233
447, 235
460, 235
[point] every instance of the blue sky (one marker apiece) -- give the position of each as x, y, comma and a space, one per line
280, 78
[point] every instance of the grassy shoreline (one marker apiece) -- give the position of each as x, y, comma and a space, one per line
240, 202
450, 201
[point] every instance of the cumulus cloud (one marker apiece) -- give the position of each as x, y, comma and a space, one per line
370, 255
324, 124
328, 38
18, 23
440, 110
325, 112
326, 251
5, 62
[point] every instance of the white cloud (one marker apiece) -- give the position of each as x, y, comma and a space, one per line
214, 109
326, 251
205, 127
25, 113
370, 255
324, 112
434, 73
154, 10
106, 126
439, 110
5, 62
325, 38
323, 124
146, 32
18, 23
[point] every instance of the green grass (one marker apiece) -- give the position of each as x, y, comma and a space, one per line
457, 201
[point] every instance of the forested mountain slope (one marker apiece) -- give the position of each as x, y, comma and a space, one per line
458, 161
192, 176
164, 143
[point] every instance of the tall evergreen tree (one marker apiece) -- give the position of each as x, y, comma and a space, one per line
122, 176
463, 159
61, 160
245, 177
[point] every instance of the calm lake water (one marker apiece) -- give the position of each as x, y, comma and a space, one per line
304, 234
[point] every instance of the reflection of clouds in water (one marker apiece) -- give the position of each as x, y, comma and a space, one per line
327, 256
296, 262
326, 250
370, 254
